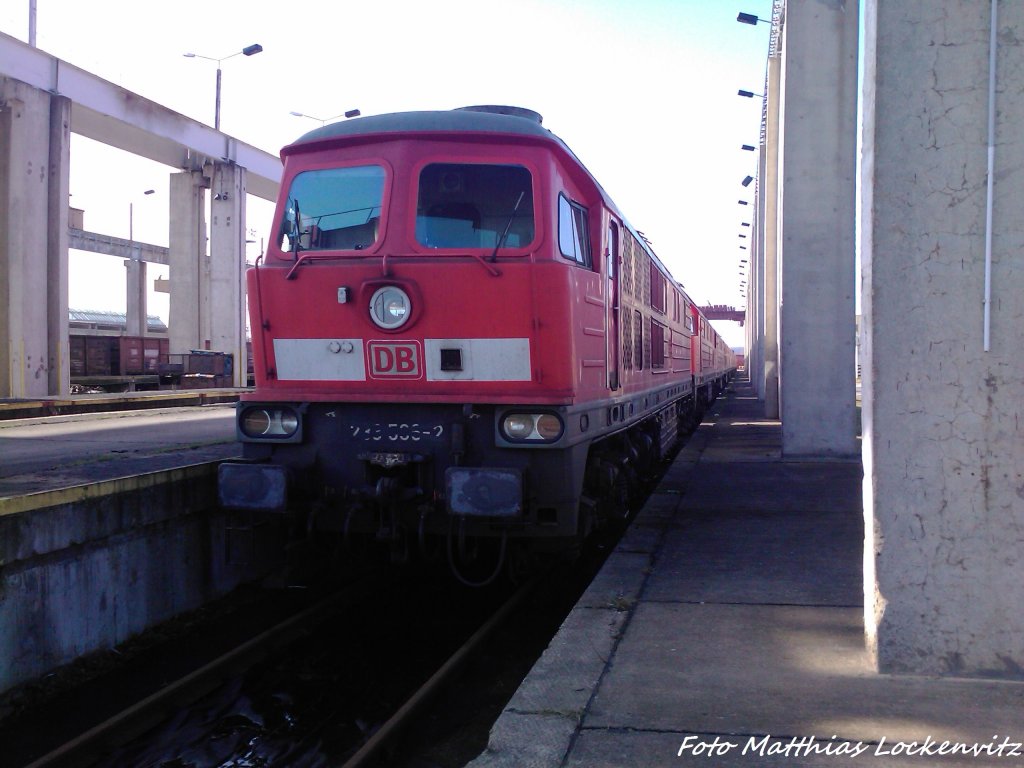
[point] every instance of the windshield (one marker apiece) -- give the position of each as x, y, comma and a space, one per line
333, 209
472, 206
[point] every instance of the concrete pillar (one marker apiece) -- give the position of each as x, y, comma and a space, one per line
227, 265
755, 281
135, 287
189, 265
817, 213
770, 240
943, 418
25, 169
57, 219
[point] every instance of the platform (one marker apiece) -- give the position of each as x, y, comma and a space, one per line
43, 456
17, 408
726, 630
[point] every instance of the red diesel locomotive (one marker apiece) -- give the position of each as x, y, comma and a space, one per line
457, 336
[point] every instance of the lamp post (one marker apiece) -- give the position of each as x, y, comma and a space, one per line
136, 320
325, 120
249, 50
131, 220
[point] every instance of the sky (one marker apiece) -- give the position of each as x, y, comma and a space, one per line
643, 91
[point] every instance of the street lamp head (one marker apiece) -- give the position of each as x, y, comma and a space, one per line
149, 192
325, 120
748, 148
746, 181
749, 94
748, 18
249, 50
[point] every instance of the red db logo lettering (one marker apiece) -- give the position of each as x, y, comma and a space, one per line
394, 360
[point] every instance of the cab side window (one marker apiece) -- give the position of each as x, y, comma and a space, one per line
573, 238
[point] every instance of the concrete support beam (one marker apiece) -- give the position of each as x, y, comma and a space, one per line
755, 281
106, 112
769, 389
227, 265
135, 283
818, 162
58, 193
94, 242
31, 242
189, 264
208, 291
944, 481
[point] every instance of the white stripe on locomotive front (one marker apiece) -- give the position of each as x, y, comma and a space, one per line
345, 359
482, 359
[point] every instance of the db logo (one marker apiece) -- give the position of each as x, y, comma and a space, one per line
394, 360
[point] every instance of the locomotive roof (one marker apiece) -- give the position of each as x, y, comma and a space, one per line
467, 119
479, 119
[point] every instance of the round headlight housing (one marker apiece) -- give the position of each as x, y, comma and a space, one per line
255, 421
390, 307
532, 427
269, 422
548, 426
518, 426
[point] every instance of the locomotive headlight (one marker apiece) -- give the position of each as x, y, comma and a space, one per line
549, 426
532, 427
390, 307
518, 426
269, 422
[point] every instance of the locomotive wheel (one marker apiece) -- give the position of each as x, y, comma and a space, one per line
622, 493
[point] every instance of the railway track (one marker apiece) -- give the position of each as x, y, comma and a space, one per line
165, 725
86, 748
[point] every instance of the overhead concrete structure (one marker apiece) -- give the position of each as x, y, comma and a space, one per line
943, 414
42, 101
132, 250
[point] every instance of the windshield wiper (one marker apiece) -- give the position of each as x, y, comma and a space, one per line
508, 225
296, 228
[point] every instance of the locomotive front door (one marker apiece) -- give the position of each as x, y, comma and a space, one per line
611, 253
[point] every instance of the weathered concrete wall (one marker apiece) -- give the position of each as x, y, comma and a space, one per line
943, 419
105, 563
818, 162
